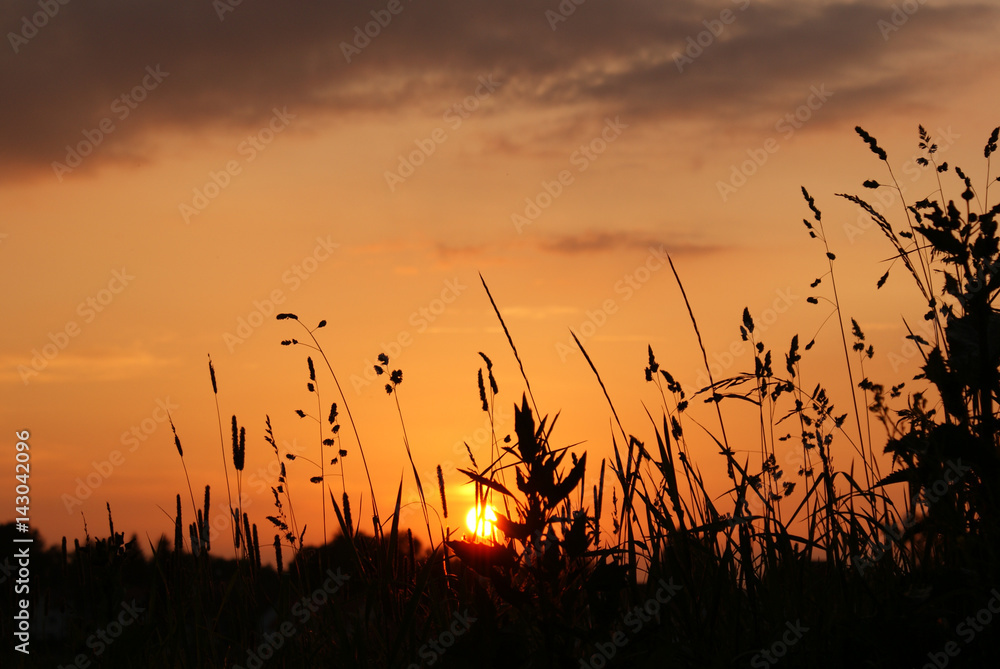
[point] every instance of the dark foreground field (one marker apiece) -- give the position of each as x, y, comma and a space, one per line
629, 562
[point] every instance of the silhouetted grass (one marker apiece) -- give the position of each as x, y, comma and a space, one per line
818, 567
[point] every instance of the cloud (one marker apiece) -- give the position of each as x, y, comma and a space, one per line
97, 365
593, 241
449, 253
538, 313
506, 250
443, 254
616, 57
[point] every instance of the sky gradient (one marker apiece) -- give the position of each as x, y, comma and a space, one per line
173, 175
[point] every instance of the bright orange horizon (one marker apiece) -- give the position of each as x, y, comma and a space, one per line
175, 177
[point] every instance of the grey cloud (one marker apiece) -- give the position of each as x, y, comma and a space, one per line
593, 241
617, 56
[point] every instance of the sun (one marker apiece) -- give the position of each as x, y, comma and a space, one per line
481, 525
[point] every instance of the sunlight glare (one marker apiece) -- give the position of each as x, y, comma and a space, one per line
481, 525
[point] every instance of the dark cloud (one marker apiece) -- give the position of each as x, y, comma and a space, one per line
593, 241
447, 253
506, 250
618, 56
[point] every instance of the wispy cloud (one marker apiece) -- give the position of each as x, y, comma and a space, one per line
94, 366
538, 313
502, 251
595, 241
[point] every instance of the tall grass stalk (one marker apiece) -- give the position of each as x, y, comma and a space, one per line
180, 452
222, 447
316, 345
830, 257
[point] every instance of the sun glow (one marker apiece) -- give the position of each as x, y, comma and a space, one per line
481, 522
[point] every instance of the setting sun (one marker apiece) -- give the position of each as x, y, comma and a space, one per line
481, 524
551, 254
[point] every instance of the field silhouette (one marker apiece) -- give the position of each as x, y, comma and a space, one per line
629, 561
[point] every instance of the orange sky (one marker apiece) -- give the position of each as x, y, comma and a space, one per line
269, 155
